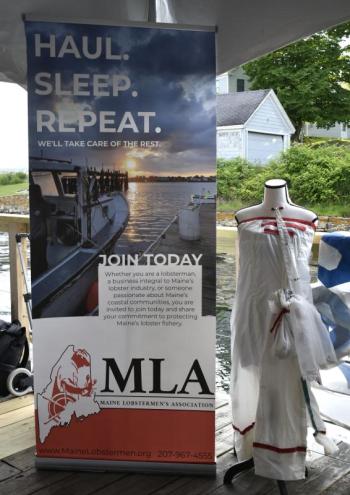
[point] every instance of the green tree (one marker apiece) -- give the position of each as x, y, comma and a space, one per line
310, 77
7, 178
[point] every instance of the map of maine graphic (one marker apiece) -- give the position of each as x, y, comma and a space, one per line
69, 392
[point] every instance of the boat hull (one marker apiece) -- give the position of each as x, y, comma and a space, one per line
71, 299
63, 290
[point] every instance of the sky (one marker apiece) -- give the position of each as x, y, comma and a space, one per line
13, 127
172, 73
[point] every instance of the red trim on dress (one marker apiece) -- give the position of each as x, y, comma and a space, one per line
288, 224
289, 450
243, 432
304, 222
278, 320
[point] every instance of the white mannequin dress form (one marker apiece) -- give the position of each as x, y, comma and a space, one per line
271, 403
276, 196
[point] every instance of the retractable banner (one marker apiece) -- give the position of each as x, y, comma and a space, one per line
122, 214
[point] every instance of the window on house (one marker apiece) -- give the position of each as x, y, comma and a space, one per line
240, 85
344, 127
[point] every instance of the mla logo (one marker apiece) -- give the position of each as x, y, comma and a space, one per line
70, 391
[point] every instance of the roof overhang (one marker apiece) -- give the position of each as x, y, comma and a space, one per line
245, 30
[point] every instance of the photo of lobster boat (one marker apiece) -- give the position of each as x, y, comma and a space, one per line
77, 214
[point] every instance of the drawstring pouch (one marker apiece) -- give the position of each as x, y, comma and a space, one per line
297, 326
283, 342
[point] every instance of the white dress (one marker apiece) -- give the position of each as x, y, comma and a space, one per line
271, 403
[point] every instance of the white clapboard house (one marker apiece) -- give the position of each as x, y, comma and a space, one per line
252, 125
235, 80
339, 130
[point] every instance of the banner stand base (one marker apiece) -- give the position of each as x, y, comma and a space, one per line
126, 466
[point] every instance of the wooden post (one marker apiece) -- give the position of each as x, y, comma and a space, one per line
13, 224
18, 306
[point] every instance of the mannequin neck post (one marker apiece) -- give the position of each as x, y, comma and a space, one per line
275, 194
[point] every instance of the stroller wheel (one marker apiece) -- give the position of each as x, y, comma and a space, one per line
20, 382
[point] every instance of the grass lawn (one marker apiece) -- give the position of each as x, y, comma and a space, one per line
11, 189
223, 205
332, 210
323, 141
